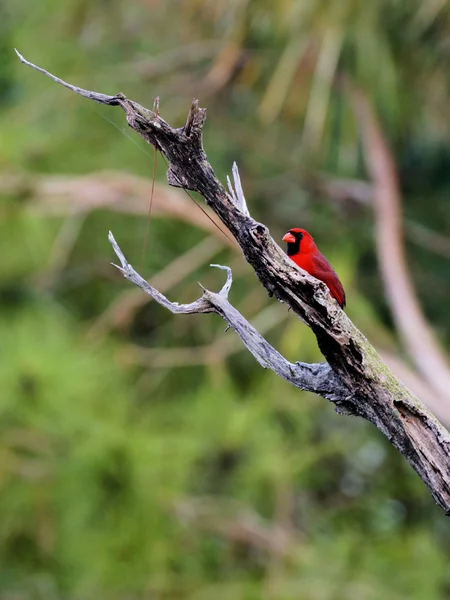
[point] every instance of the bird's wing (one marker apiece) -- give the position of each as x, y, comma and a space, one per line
321, 269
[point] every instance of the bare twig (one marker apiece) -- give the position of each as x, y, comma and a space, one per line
121, 310
100, 98
176, 58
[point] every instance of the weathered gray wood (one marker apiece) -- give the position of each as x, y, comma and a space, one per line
355, 378
318, 378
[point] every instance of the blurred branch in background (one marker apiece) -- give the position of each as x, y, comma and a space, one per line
229, 61
181, 57
423, 431
60, 254
317, 378
356, 190
117, 191
420, 341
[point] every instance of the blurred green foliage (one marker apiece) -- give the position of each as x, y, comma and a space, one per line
121, 479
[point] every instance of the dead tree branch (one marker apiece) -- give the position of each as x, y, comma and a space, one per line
355, 378
318, 378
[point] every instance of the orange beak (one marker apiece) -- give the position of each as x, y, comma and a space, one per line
289, 238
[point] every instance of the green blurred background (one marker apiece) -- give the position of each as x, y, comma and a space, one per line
146, 456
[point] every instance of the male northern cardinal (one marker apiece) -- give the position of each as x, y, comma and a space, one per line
304, 252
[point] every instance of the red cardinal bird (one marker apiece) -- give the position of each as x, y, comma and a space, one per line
304, 252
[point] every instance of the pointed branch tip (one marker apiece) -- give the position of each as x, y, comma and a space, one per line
120, 255
100, 98
119, 268
227, 286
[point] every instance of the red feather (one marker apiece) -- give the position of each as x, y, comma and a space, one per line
304, 252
